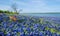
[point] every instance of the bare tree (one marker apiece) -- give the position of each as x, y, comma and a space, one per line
15, 8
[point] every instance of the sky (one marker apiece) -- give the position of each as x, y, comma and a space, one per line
32, 6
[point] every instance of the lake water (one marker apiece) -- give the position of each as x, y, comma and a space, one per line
45, 15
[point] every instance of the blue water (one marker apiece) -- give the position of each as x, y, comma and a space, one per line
46, 15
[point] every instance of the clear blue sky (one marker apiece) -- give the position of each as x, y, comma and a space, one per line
32, 6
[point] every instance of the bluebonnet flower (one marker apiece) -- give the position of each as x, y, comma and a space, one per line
1, 34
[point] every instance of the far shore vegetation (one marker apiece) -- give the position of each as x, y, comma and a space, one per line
8, 12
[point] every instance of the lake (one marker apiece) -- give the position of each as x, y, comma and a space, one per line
42, 14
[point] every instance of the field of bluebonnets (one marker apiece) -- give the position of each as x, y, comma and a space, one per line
29, 25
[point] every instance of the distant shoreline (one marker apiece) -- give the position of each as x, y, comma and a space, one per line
39, 13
